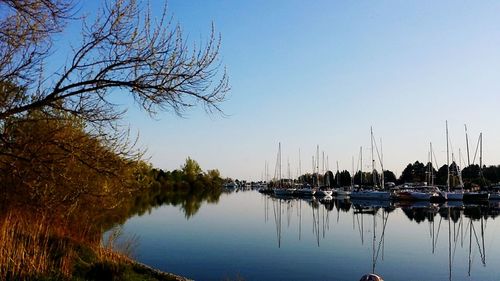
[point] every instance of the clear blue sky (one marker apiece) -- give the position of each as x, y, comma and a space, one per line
322, 72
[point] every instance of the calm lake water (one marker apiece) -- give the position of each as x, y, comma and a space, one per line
251, 236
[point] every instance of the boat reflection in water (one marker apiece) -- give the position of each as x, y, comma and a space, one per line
379, 212
465, 224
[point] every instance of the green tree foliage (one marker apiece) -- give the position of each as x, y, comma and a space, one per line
415, 172
306, 178
55, 164
491, 174
471, 172
188, 187
191, 169
344, 178
441, 175
360, 178
389, 176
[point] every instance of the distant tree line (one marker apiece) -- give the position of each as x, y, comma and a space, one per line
418, 172
187, 187
471, 175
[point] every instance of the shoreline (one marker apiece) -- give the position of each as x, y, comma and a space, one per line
156, 273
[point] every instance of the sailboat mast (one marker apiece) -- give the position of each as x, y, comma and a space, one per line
338, 174
279, 157
459, 171
300, 166
447, 159
459, 157
481, 154
323, 162
382, 180
265, 171
288, 168
352, 178
373, 160
361, 166
481, 150
313, 170
431, 167
317, 164
327, 167
467, 144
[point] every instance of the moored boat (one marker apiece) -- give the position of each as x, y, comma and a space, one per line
323, 193
417, 193
413, 195
284, 191
305, 192
371, 194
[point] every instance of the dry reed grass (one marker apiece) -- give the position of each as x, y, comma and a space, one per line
33, 244
36, 244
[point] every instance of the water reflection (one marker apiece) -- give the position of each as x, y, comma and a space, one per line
189, 200
350, 237
466, 223
285, 209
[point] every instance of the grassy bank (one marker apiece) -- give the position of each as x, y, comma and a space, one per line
113, 266
34, 246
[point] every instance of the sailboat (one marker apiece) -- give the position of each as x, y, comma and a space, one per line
480, 196
264, 187
372, 193
320, 192
281, 190
421, 193
306, 190
448, 194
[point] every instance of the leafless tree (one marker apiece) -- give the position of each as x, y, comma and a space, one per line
124, 50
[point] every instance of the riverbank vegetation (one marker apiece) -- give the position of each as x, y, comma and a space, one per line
56, 205
69, 170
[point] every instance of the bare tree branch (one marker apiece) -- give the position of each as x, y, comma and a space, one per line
124, 50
